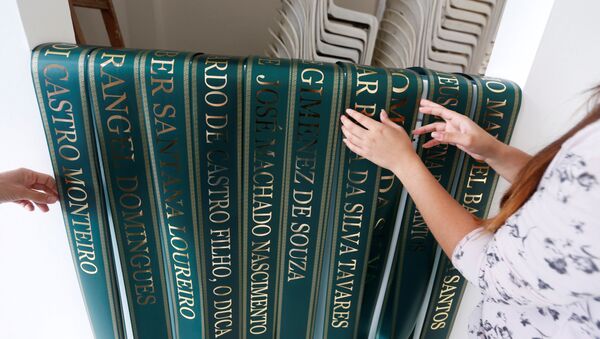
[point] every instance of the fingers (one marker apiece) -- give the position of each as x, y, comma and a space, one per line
430, 107
35, 181
43, 207
45, 189
24, 193
431, 143
385, 119
351, 140
461, 139
362, 119
28, 189
436, 126
28, 205
353, 147
350, 128
351, 137
428, 103
44, 182
441, 112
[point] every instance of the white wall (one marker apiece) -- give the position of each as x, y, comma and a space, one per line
551, 49
39, 293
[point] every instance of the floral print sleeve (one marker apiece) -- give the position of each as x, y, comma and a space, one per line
545, 260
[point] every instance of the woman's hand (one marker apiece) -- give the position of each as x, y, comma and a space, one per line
384, 143
28, 188
388, 145
458, 130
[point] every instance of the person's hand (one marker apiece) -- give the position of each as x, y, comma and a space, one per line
458, 130
384, 143
28, 188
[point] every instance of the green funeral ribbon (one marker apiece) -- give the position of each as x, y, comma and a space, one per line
354, 209
59, 72
269, 93
115, 99
498, 102
416, 246
406, 90
306, 195
236, 209
217, 154
165, 116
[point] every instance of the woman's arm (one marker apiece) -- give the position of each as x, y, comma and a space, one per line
507, 161
459, 130
387, 145
448, 221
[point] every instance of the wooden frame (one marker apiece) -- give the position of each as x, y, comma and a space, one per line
108, 15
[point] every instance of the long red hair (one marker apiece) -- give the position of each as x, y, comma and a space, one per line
530, 175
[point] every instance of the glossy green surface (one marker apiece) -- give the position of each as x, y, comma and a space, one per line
238, 212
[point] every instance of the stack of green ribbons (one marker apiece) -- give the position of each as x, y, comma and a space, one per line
222, 188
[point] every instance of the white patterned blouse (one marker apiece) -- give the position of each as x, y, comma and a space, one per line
539, 274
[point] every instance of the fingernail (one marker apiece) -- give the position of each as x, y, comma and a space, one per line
51, 199
383, 112
348, 110
435, 135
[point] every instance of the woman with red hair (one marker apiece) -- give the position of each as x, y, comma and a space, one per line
537, 261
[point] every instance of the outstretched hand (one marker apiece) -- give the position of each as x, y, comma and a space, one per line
387, 145
384, 143
457, 129
28, 189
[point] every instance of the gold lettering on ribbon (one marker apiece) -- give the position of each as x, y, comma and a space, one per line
265, 123
349, 241
121, 144
445, 300
55, 79
162, 82
218, 163
305, 162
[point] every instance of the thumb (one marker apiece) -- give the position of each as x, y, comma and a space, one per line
461, 139
385, 119
24, 193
